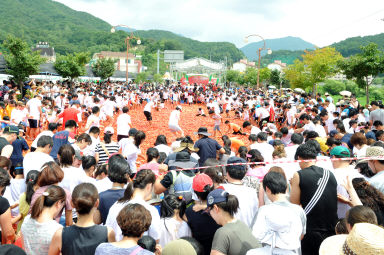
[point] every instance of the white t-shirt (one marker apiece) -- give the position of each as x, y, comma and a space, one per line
131, 152
12, 193
174, 118
164, 148
148, 107
255, 130
123, 122
73, 176
153, 231
265, 149
103, 185
109, 107
310, 126
46, 132
34, 104
18, 116
34, 161
248, 202
172, 229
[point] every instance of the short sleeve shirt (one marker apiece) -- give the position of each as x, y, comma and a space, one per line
207, 149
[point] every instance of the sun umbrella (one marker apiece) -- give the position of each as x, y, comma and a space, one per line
345, 93
271, 87
299, 90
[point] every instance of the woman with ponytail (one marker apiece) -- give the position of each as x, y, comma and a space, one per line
138, 191
172, 225
84, 236
104, 151
26, 197
39, 227
234, 237
132, 150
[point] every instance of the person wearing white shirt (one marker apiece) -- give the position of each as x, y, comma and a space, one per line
19, 114
52, 129
35, 115
139, 191
263, 146
147, 111
35, 160
94, 119
173, 123
94, 133
123, 124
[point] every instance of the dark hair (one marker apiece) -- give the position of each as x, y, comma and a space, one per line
311, 135
369, 195
306, 151
236, 172
255, 156
118, 169
108, 137
101, 169
134, 220
341, 227
315, 145
198, 247
278, 135
161, 139
284, 130
139, 137
51, 173
358, 139
66, 153
70, 124
87, 162
216, 173
252, 137
5, 162
95, 109
147, 243
246, 124
364, 169
152, 153
243, 152
31, 181
142, 179
84, 197
276, 182
169, 204
230, 206
55, 193
94, 130
332, 141
5, 180
45, 140
125, 109
262, 136
84, 136
162, 157
203, 195
359, 214
52, 126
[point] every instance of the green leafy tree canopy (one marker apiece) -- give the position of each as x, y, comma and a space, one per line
72, 65
104, 67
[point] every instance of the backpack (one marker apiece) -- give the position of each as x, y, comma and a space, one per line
181, 185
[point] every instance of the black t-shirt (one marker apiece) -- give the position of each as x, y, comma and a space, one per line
4, 205
323, 217
107, 199
3, 143
203, 227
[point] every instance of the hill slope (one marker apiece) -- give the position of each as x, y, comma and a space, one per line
287, 43
352, 45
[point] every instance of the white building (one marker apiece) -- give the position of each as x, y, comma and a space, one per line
242, 65
343, 77
134, 62
277, 65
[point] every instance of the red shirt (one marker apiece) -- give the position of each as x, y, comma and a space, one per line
69, 114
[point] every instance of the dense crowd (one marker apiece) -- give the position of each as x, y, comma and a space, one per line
272, 172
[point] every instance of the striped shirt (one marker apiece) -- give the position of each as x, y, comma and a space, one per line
110, 147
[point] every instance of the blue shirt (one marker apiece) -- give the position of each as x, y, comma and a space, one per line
59, 139
107, 199
17, 154
207, 149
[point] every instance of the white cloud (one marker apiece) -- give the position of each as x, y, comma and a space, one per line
319, 22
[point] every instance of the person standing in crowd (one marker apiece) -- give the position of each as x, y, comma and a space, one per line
234, 237
315, 189
9, 135
35, 116
377, 167
52, 128
148, 111
67, 136
70, 113
36, 159
7, 232
263, 146
104, 151
123, 124
84, 236
207, 146
174, 119
132, 150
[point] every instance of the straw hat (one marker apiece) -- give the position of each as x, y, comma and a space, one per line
364, 239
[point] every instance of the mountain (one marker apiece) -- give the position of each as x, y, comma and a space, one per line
125, 29
71, 31
285, 56
351, 46
287, 43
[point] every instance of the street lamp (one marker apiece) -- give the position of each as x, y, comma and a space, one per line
269, 51
113, 30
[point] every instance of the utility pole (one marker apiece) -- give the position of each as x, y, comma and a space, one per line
158, 61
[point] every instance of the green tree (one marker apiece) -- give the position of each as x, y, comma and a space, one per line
72, 65
275, 78
104, 67
21, 61
316, 66
364, 66
233, 76
158, 78
265, 74
141, 77
250, 76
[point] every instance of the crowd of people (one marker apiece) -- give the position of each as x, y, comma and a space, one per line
290, 173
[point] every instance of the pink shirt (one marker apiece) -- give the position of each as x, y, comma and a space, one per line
152, 166
258, 172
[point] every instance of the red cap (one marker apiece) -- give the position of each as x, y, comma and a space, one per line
200, 181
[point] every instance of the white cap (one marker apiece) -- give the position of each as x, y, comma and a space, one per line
109, 130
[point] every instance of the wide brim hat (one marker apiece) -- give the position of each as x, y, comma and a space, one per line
202, 131
182, 164
373, 151
188, 146
364, 239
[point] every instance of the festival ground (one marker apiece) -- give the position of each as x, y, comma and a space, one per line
189, 122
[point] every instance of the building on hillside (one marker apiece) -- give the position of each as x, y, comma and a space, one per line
46, 51
242, 65
277, 65
134, 62
343, 77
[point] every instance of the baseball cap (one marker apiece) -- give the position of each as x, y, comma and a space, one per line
11, 129
217, 196
179, 107
333, 133
234, 160
109, 130
340, 151
200, 182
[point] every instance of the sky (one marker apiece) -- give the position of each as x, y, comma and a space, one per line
320, 22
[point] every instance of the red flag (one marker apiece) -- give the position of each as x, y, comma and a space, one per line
271, 114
